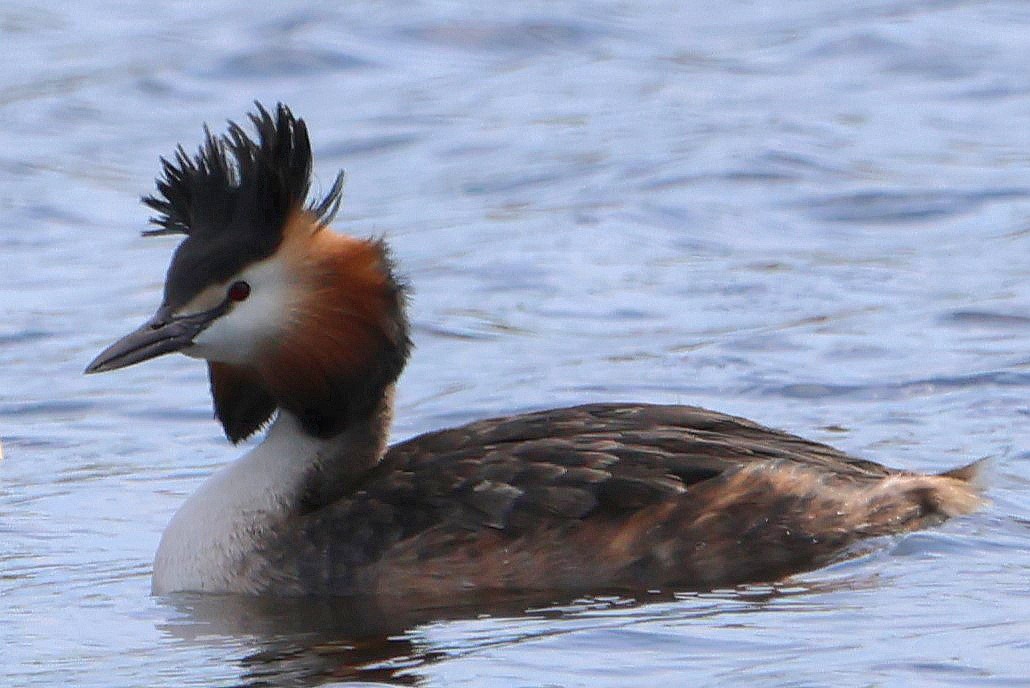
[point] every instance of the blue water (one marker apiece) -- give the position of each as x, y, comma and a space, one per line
813, 214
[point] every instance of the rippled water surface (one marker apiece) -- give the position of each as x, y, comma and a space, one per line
813, 214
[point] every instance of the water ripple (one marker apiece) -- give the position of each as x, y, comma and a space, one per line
525, 36
892, 207
986, 319
900, 390
289, 62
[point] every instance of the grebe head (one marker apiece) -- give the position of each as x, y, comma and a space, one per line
287, 313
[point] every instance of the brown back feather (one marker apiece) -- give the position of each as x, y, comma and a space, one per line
598, 497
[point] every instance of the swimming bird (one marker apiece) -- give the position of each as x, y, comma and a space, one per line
304, 333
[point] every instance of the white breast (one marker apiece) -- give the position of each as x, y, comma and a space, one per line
233, 512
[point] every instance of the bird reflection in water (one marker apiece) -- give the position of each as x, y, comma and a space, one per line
314, 641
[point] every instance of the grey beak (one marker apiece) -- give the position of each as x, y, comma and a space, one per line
162, 334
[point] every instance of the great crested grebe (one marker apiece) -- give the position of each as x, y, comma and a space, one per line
308, 326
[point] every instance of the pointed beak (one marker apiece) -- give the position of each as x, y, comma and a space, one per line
162, 334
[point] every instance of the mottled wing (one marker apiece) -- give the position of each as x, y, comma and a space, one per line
529, 473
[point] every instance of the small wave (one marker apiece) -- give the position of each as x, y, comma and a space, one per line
527, 36
901, 390
269, 62
891, 207
986, 319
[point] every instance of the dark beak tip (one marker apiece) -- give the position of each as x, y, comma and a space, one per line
94, 367
102, 363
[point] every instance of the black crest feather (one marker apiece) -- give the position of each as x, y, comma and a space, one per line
238, 185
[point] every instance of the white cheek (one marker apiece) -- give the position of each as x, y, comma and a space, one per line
236, 336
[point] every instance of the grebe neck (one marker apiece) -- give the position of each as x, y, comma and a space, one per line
207, 544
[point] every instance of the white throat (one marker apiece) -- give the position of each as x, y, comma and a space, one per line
206, 545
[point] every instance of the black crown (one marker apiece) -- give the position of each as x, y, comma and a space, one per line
237, 185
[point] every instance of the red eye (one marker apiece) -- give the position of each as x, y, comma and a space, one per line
239, 291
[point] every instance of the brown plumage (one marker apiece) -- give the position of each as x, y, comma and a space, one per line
603, 496
344, 340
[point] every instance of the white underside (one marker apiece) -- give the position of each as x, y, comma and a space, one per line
233, 512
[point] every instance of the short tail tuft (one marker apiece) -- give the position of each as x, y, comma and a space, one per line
955, 492
974, 474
